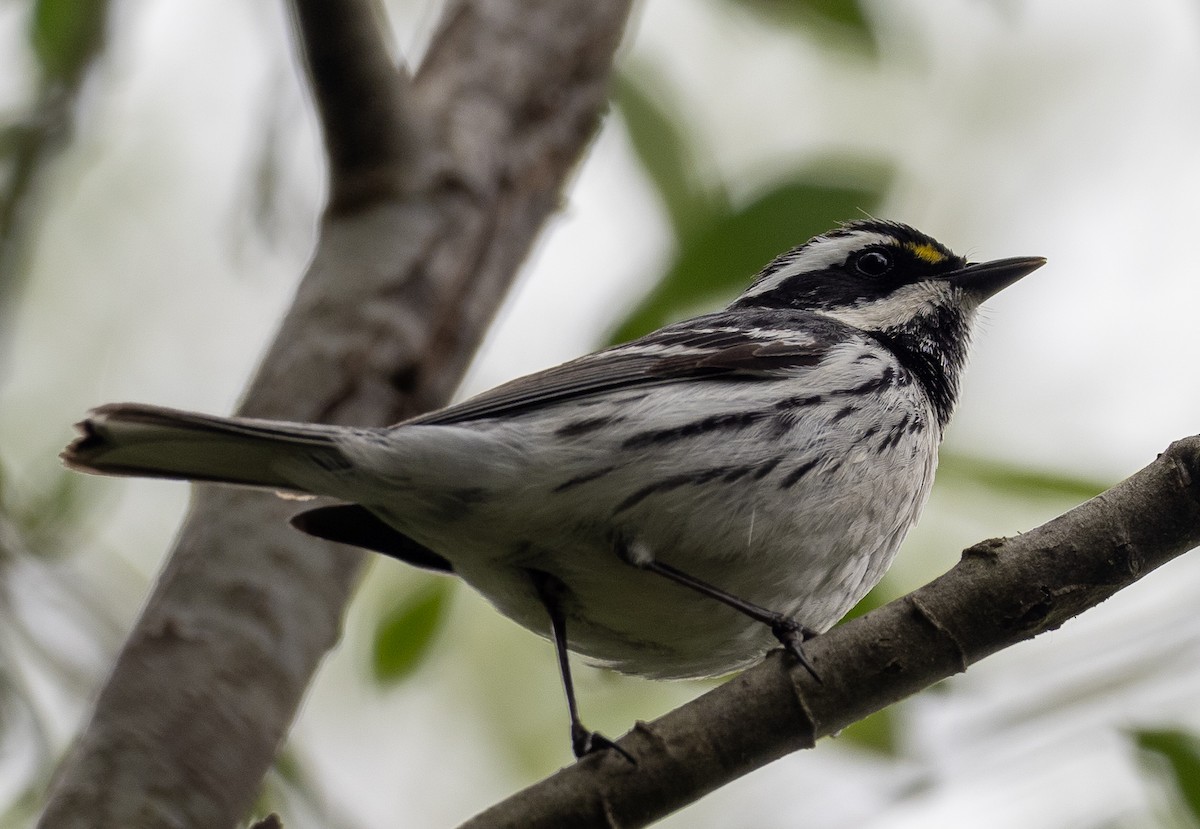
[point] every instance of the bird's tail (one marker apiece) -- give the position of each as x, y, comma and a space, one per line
151, 441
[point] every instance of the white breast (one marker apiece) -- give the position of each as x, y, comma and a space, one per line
799, 509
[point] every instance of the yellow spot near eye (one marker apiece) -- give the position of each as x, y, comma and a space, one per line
926, 252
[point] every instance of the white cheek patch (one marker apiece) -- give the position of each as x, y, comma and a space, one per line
821, 253
905, 303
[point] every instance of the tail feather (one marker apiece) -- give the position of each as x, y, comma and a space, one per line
152, 441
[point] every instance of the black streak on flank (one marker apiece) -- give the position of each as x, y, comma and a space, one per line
788, 416
885, 379
796, 474
783, 423
736, 473
584, 478
702, 476
893, 436
843, 413
798, 401
767, 468
714, 423
578, 428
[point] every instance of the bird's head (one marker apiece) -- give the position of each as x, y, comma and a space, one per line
880, 276
895, 284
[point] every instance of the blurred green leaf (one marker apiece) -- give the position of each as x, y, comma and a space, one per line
26, 804
50, 511
288, 766
66, 34
843, 12
717, 260
406, 632
1017, 480
293, 788
840, 23
664, 152
876, 733
880, 595
1181, 751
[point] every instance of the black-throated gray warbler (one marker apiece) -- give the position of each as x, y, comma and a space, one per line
669, 507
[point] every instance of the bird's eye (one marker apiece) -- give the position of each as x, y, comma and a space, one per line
873, 263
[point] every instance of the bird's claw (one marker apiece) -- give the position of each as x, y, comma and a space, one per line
584, 742
792, 635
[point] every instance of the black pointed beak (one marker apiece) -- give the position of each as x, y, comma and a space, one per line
984, 279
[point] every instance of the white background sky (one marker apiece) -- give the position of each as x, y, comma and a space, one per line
1066, 129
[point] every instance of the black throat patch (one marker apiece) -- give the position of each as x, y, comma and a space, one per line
933, 348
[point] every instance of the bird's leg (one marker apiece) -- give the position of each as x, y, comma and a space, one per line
583, 741
790, 633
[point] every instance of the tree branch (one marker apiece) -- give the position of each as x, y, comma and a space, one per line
363, 99
1003, 591
434, 206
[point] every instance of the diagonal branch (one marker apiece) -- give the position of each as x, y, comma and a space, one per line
363, 100
436, 197
1003, 591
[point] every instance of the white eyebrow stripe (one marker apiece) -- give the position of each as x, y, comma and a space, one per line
822, 252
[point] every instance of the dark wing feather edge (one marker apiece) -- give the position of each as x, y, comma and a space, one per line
701, 347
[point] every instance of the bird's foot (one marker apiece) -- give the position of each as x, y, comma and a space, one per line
584, 742
792, 635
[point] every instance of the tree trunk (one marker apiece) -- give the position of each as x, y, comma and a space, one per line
438, 186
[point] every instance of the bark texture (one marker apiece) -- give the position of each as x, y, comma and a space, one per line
438, 186
1002, 592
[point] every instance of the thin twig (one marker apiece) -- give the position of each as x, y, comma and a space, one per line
363, 100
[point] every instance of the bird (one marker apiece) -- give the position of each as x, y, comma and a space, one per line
674, 506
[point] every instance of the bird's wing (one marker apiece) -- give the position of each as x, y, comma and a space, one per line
711, 346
